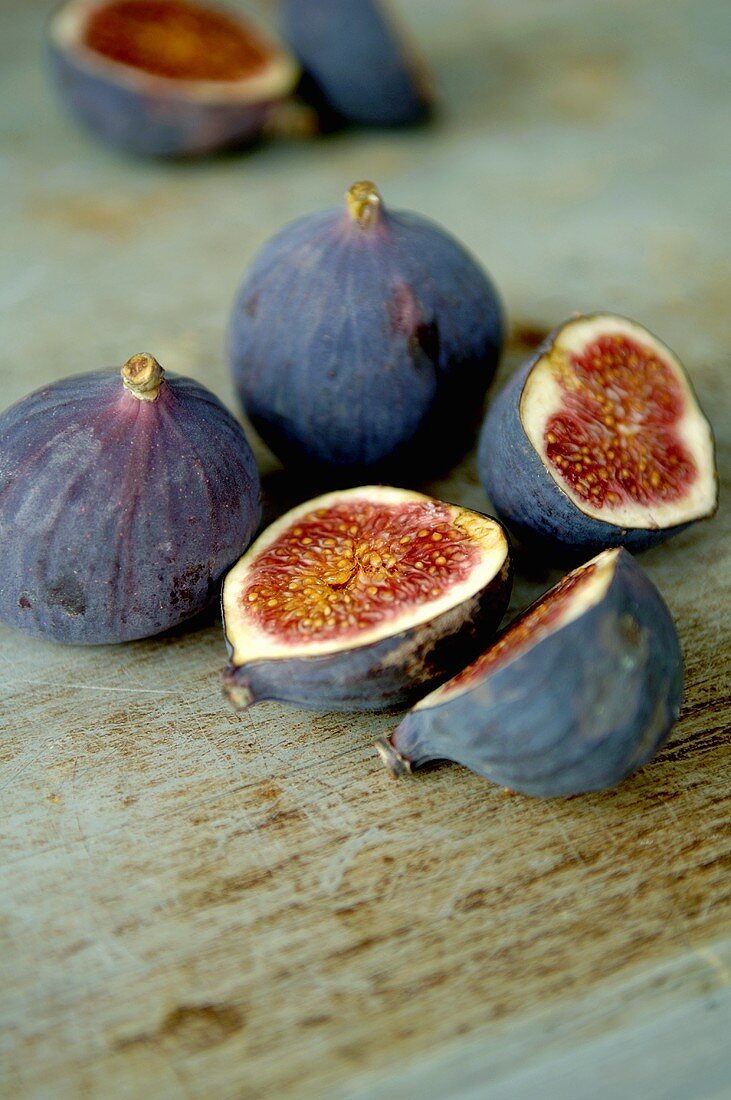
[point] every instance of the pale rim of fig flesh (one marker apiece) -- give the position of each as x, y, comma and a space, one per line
276, 80
574, 595
250, 642
626, 429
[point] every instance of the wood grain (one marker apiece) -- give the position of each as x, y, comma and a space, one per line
198, 904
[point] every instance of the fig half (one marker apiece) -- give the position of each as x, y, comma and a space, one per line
122, 501
167, 78
597, 442
362, 600
576, 693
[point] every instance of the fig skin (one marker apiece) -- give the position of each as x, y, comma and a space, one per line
356, 68
150, 116
579, 711
397, 338
119, 510
528, 500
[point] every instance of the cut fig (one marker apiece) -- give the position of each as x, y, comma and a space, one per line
362, 600
574, 695
167, 77
598, 441
122, 502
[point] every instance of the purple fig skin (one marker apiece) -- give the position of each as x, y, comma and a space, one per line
356, 68
397, 338
528, 500
579, 711
119, 514
392, 672
154, 117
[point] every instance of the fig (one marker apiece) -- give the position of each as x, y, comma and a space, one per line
576, 693
122, 502
597, 442
362, 599
167, 78
356, 67
397, 335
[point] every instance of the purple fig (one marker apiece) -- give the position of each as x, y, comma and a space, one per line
362, 599
356, 67
397, 335
576, 693
598, 441
167, 77
122, 502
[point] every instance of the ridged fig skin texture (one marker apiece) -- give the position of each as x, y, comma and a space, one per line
578, 711
357, 70
362, 342
362, 599
118, 513
532, 504
149, 116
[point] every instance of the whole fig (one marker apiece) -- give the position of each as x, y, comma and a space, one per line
122, 501
362, 342
598, 441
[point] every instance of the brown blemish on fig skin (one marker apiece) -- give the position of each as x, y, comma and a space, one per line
68, 595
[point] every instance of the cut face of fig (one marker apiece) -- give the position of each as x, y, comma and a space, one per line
167, 77
122, 502
576, 693
361, 599
599, 441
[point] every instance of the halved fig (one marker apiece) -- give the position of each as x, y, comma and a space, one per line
167, 77
362, 599
598, 441
576, 693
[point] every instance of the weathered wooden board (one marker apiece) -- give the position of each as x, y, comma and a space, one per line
198, 904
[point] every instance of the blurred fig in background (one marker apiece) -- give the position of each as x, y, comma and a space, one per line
167, 78
357, 68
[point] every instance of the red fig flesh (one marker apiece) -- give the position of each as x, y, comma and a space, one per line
599, 441
360, 598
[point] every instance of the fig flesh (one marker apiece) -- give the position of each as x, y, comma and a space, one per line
574, 695
597, 442
397, 337
122, 502
167, 78
362, 599
357, 70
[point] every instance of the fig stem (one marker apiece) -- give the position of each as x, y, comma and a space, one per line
142, 375
363, 202
397, 764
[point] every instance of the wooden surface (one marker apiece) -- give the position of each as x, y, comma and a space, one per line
195, 904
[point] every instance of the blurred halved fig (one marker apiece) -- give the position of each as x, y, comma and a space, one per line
576, 693
122, 501
362, 600
362, 342
167, 77
357, 68
598, 441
